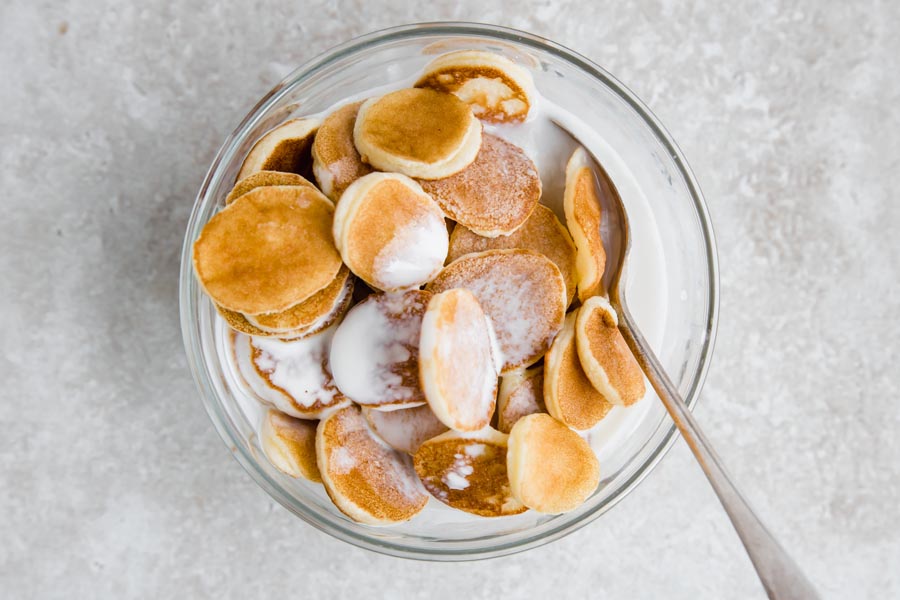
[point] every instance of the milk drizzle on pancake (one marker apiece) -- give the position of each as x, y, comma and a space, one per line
374, 351
522, 292
292, 376
396, 267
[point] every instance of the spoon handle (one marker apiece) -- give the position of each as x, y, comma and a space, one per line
780, 575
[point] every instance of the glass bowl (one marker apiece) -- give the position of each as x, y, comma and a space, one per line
680, 284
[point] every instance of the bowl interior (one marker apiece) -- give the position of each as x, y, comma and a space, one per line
671, 289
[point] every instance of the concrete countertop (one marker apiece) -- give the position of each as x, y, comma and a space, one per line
113, 483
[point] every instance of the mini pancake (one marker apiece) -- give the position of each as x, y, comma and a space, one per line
316, 312
389, 232
418, 132
263, 179
367, 480
497, 89
521, 394
285, 148
583, 216
292, 376
405, 429
551, 468
542, 232
468, 471
606, 358
495, 194
375, 351
239, 322
336, 162
268, 250
290, 444
457, 366
568, 393
523, 294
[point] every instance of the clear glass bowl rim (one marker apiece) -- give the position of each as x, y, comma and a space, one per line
188, 308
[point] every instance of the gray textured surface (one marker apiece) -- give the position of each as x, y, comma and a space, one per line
112, 480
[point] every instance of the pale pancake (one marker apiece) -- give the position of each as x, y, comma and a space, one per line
336, 162
523, 294
290, 444
468, 472
521, 394
583, 217
293, 376
606, 358
551, 468
285, 148
375, 351
542, 232
495, 194
497, 89
318, 311
367, 480
417, 132
406, 429
268, 250
568, 393
263, 179
389, 232
457, 366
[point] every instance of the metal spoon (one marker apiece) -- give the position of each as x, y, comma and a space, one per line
780, 575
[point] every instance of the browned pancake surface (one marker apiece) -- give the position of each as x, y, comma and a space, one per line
495, 194
468, 473
369, 481
269, 250
542, 233
417, 124
263, 179
552, 469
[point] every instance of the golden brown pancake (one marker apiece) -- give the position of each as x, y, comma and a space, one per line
375, 351
336, 162
523, 294
542, 232
367, 480
498, 90
389, 232
285, 148
268, 250
239, 322
457, 366
319, 310
417, 132
495, 194
551, 468
568, 393
521, 394
405, 429
606, 358
290, 444
263, 179
291, 375
583, 217
468, 472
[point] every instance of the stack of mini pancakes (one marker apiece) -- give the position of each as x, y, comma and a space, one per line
418, 323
